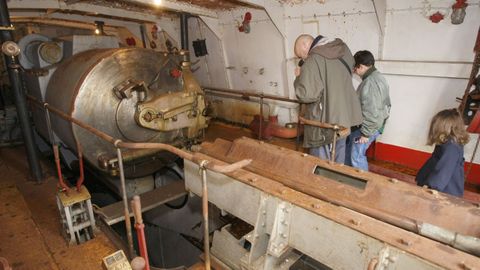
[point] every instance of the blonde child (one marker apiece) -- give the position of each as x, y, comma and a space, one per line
444, 171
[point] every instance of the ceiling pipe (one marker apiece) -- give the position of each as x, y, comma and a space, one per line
184, 30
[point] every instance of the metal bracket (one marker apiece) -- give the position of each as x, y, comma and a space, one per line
126, 88
278, 244
258, 237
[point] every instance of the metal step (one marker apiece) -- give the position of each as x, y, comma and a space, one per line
114, 213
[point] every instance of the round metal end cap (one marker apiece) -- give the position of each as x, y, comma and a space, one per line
10, 48
51, 52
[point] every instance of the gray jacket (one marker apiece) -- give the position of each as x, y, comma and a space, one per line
325, 85
375, 100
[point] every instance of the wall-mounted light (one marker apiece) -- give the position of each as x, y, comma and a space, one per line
157, 2
99, 28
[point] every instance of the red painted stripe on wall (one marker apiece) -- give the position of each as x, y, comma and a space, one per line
413, 159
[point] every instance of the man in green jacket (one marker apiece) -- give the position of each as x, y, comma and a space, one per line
324, 84
375, 101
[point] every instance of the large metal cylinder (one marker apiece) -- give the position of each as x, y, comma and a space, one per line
83, 87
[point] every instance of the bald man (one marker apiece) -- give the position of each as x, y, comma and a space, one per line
324, 84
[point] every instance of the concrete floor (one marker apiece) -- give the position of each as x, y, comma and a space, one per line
30, 230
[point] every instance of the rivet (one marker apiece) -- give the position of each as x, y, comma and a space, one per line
284, 191
433, 191
465, 266
406, 242
283, 235
393, 180
252, 179
315, 205
392, 258
304, 155
355, 222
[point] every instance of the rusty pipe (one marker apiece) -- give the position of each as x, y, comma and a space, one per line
248, 94
61, 182
81, 177
139, 226
260, 125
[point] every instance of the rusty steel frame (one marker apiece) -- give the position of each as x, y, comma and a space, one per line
249, 183
409, 207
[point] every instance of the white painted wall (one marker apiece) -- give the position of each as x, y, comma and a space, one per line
426, 64
411, 36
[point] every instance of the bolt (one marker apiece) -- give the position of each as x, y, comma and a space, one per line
264, 212
432, 191
315, 205
263, 224
406, 242
465, 266
253, 179
393, 180
392, 259
304, 155
359, 170
148, 117
283, 235
355, 222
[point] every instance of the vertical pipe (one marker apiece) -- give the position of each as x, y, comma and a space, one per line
20, 100
260, 125
139, 226
184, 30
143, 33
206, 233
128, 224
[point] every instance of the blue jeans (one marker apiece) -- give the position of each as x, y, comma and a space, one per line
355, 152
323, 152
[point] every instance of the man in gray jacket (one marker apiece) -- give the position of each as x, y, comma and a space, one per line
375, 100
324, 84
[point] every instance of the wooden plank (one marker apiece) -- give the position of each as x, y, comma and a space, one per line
113, 213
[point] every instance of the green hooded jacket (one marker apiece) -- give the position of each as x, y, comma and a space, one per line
375, 101
325, 86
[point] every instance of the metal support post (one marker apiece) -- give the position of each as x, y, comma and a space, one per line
336, 128
128, 224
206, 233
20, 101
184, 30
260, 125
